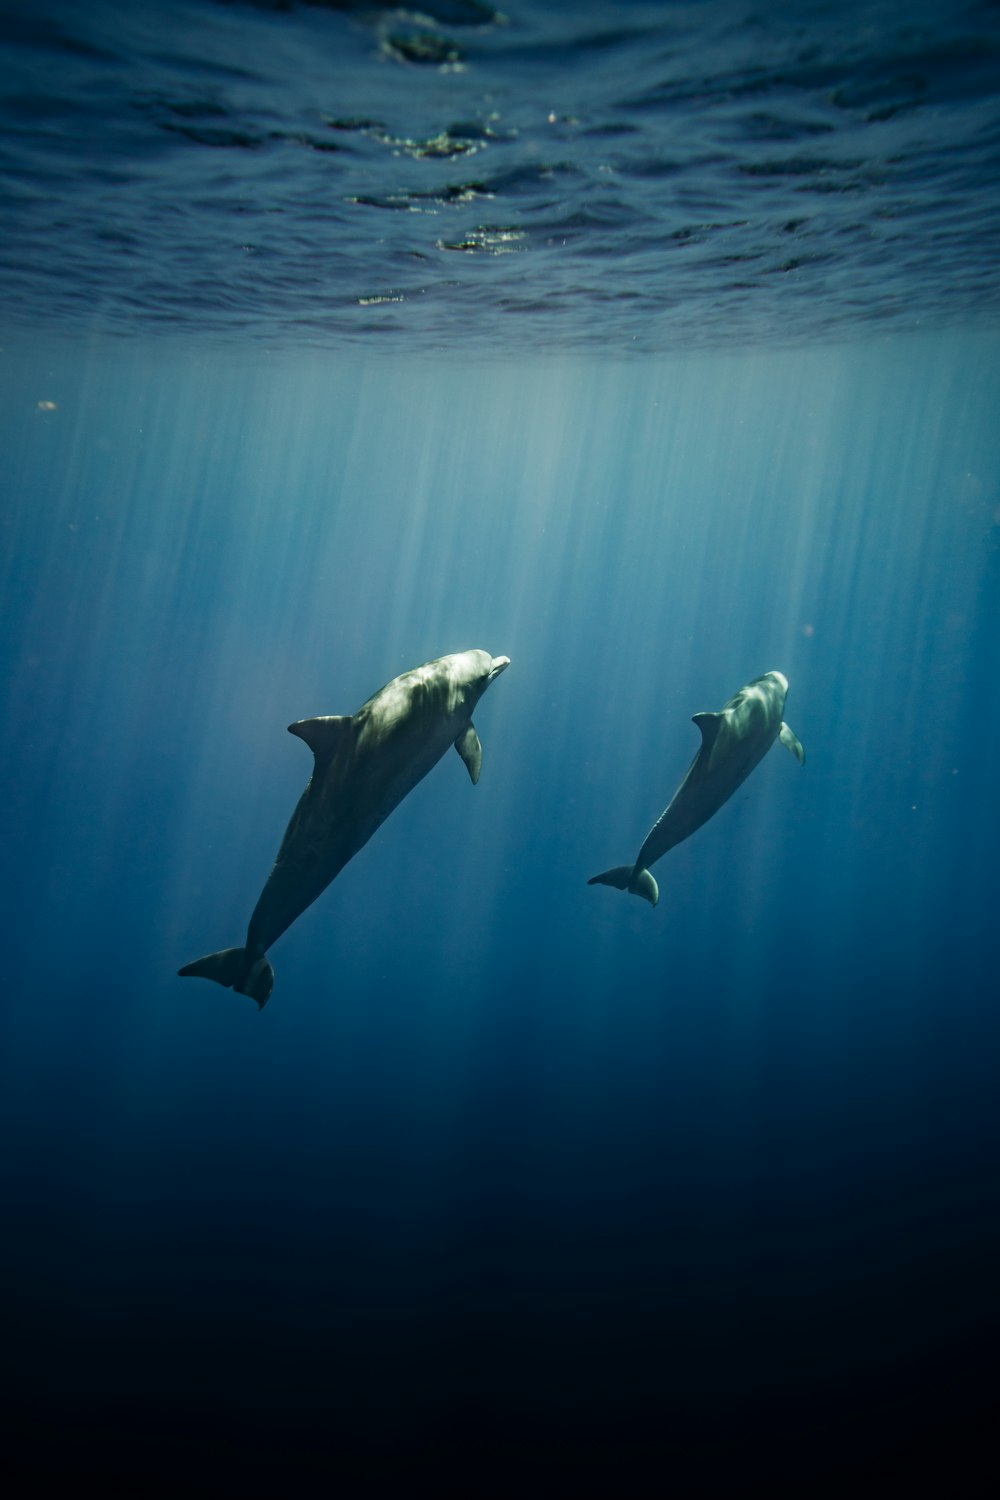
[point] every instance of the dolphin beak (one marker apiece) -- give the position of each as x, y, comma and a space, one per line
497, 665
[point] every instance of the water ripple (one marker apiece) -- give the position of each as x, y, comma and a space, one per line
624, 177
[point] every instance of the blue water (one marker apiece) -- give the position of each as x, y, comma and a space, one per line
515, 1184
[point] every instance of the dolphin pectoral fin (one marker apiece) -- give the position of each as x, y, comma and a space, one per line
232, 968
471, 751
323, 735
709, 724
793, 743
628, 878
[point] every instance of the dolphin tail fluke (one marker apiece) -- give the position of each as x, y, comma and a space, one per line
234, 968
628, 878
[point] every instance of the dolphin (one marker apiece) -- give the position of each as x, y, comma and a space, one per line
733, 741
365, 765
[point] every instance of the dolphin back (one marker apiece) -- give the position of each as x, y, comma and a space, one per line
235, 970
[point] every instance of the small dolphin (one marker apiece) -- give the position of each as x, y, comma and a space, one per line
365, 765
733, 741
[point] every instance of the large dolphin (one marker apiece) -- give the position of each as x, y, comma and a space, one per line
733, 741
365, 765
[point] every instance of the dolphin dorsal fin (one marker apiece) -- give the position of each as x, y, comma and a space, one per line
709, 724
324, 736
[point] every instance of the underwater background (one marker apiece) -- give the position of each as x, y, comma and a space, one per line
654, 346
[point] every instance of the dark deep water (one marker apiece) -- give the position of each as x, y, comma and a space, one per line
515, 1185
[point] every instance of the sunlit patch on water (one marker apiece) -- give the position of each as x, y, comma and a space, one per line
491, 241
